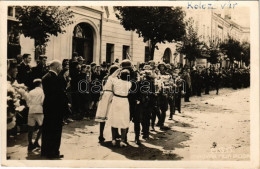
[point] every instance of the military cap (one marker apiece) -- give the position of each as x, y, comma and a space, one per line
80, 58
162, 63
93, 64
126, 63
43, 57
147, 67
168, 66
104, 64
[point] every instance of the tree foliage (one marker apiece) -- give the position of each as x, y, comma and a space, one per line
232, 48
191, 45
213, 51
39, 22
246, 52
154, 24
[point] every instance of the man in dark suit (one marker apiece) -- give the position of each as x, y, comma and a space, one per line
41, 69
54, 106
24, 71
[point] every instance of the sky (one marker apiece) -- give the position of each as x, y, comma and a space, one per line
242, 16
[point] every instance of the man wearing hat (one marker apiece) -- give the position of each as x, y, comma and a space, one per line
163, 96
187, 78
80, 60
41, 69
145, 103
104, 70
154, 100
127, 64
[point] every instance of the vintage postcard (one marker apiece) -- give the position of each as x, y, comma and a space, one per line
166, 84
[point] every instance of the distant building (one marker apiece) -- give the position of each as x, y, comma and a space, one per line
217, 25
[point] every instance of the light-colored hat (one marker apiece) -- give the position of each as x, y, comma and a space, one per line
147, 67
37, 80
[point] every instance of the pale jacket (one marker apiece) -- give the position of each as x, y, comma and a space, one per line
34, 100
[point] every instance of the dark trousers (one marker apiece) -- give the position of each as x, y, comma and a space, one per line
163, 104
75, 99
178, 101
217, 87
51, 136
199, 90
84, 104
187, 94
172, 105
142, 117
155, 112
206, 88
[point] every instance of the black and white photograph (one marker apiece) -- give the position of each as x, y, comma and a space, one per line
126, 83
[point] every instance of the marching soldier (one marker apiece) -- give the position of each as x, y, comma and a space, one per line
154, 99
145, 100
127, 64
162, 97
178, 89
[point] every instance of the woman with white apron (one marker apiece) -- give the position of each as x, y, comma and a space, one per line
119, 114
106, 99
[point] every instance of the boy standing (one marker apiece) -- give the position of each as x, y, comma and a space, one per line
34, 100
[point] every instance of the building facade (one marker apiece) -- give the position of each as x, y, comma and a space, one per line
97, 36
215, 26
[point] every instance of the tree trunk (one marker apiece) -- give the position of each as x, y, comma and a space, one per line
152, 48
39, 49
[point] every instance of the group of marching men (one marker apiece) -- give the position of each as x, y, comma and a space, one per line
152, 89
115, 94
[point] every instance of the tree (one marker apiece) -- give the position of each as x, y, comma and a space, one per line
246, 53
40, 22
191, 45
213, 51
232, 48
154, 24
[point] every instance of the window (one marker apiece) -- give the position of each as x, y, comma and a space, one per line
11, 11
110, 53
13, 40
125, 52
146, 54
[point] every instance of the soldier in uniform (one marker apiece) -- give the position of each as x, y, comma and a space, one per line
178, 89
186, 77
217, 78
199, 81
163, 95
207, 80
154, 99
134, 115
145, 94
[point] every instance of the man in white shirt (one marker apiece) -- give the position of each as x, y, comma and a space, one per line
34, 100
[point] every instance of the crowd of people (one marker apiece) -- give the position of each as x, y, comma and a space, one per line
61, 92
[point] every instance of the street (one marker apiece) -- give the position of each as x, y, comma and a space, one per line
211, 127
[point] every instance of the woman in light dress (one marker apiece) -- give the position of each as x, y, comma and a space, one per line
106, 99
119, 113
